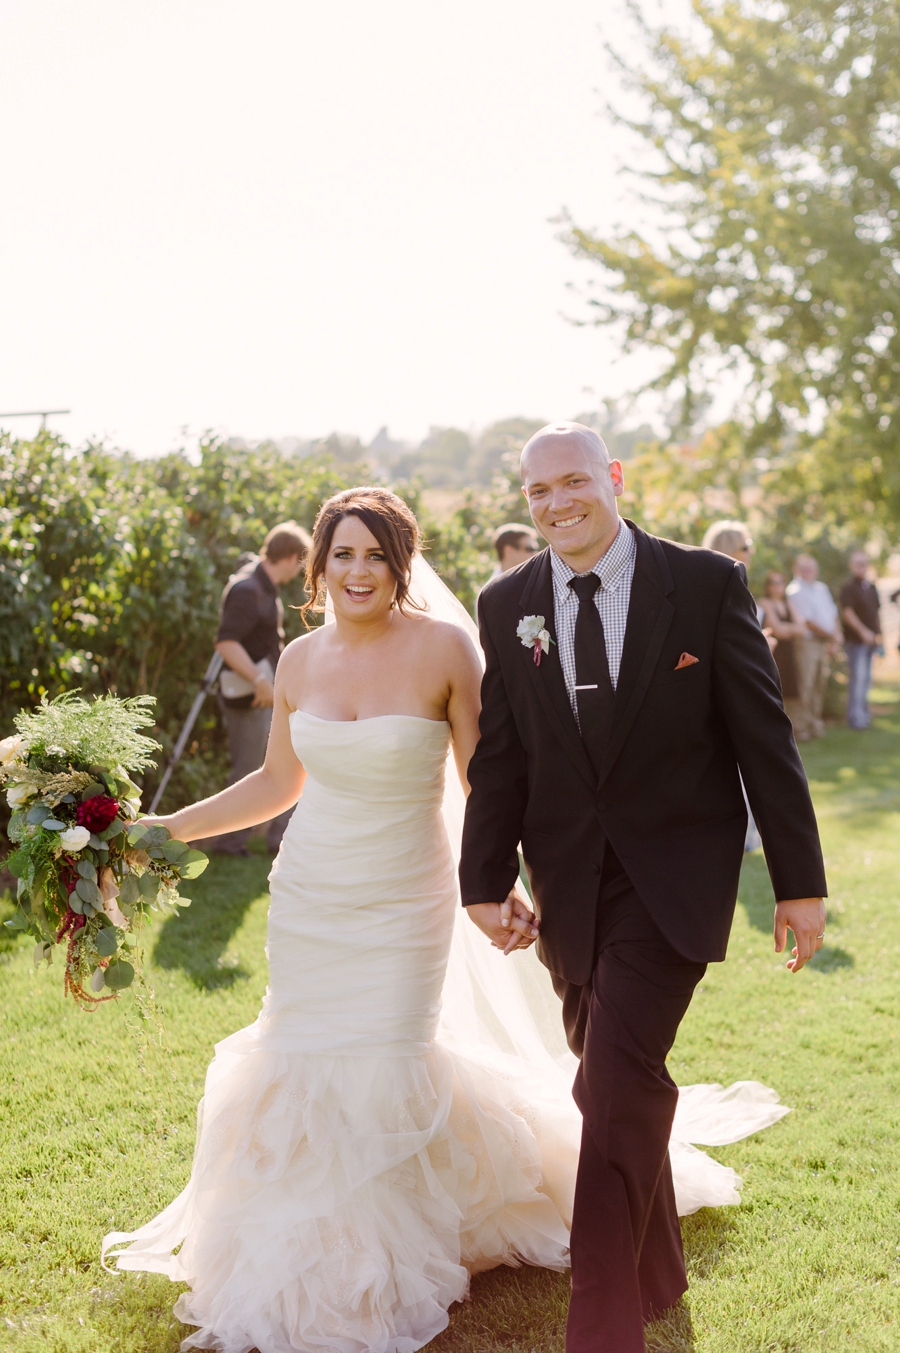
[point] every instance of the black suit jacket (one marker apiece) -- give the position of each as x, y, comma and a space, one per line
668, 795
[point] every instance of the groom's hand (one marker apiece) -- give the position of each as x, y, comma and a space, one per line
508, 925
805, 916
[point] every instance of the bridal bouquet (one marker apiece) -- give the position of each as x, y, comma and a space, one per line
87, 872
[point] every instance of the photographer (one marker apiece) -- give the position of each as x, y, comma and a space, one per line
250, 639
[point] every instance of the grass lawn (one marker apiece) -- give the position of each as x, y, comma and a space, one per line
94, 1137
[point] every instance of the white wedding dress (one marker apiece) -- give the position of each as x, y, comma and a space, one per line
381, 1132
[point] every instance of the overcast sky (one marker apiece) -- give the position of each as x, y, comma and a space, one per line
284, 217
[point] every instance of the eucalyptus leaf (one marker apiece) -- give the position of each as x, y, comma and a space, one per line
76, 903
98, 979
174, 850
159, 835
88, 891
130, 890
119, 975
53, 824
17, 826
87, 870
67, 798
95, 842
91, 791
106, 942
129, 939
114, 829
18, 922
156, 853
36, 813
192, 865
103, 919
149, 886
89, 909
137, 833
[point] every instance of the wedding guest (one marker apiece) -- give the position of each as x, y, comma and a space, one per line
250, 639
814, 604
734, 539
862, 634
515, 543
779, 618
731, 538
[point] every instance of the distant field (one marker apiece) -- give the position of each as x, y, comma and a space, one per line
92, 1138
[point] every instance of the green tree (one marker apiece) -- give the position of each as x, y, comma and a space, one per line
776, 129
111, 570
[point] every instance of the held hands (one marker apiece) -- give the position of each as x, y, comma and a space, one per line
805, 916
508, 925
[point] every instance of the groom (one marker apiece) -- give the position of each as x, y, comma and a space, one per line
611, 750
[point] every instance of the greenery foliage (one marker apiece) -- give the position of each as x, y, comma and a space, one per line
112, 568
775, 130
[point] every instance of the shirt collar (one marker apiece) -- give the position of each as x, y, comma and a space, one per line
610, 569
264, 580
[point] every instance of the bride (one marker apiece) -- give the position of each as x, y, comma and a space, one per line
395, 1120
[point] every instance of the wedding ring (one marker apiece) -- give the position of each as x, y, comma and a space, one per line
822, 936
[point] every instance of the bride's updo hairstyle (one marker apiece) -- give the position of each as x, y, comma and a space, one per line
392, 524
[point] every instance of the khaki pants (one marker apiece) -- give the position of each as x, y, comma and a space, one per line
248, 735
812, 676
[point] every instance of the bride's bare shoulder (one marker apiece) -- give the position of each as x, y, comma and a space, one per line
443, 637
298, 649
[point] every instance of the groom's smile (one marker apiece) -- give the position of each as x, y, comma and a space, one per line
568, 521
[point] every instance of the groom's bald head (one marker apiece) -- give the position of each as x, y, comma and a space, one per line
556, 438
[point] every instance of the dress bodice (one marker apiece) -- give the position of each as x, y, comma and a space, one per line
390, 758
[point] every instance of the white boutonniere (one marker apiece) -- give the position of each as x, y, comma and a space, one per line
533, 635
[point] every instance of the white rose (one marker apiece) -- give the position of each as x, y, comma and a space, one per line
75, 838
16, 795
10, 749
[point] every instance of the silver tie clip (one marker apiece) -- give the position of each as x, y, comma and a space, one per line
586, 688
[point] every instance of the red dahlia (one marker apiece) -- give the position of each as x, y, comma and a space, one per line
96, 814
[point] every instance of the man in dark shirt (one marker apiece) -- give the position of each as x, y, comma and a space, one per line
862, 634
250, 639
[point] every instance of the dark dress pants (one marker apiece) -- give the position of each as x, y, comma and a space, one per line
627, 1257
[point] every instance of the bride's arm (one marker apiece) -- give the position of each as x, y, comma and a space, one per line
464, 704
259, 797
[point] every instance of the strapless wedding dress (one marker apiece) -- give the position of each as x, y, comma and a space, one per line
353, 1167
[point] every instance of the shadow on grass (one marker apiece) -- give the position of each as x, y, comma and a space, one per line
522, 1310
831, 958
755, 896
196, 941
707, 1236
674, 1333
755, 892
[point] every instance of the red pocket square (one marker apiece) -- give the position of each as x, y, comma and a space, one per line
686, 660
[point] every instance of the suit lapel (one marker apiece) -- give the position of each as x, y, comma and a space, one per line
547, 676
650, 613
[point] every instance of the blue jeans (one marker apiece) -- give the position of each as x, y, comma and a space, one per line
859, 663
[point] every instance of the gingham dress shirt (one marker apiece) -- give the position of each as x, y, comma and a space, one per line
615, 571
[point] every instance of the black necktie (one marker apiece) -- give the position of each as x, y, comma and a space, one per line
593, 688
